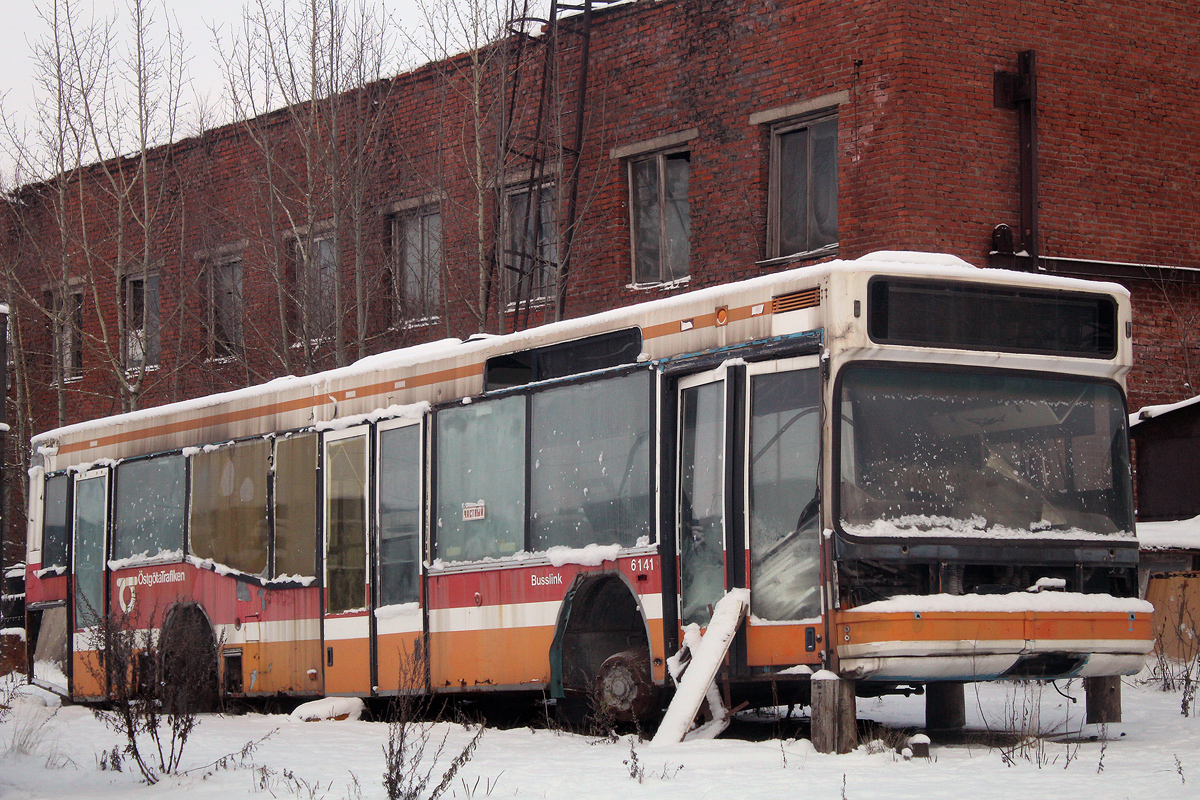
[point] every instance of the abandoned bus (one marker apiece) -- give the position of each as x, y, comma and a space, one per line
919, 470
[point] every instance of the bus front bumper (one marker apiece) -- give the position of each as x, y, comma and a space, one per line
1035, 637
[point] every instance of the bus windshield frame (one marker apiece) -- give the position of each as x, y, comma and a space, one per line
950, 453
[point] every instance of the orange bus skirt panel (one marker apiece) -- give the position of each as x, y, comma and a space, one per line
478, 659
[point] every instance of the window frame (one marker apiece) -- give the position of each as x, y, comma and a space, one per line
381, 429
331, 439
312, 537
62, 545
314, 319
222, 343
778, 129
116, 544
200, 469
761, 369
142, 348
427, 308
660, 159
547, 255
66, 332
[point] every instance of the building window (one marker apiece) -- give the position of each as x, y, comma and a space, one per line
803, 195
141, 321
417, 264
531, 241
225, 317
660, 216
316, 259
66, 328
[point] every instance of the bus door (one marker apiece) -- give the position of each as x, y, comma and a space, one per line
700, 498
89, 517
782, 502
399, 664
347, 619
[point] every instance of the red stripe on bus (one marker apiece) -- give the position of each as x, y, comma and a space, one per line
491, 587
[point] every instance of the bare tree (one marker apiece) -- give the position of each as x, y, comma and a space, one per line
99, 214
320, 63
479, 65
510, 128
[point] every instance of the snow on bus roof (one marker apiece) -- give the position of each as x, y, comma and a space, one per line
918, 264
406, 357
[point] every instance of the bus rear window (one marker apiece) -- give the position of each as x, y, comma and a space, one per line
977, 317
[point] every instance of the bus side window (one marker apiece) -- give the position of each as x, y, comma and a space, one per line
229, 506
296, 506
399, 514
149, 508
481, 480
591, 463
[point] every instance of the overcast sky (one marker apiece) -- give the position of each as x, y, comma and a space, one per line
21, 27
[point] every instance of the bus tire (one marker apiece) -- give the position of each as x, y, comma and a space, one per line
624, 688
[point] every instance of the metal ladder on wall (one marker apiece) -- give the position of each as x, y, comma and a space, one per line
546, 150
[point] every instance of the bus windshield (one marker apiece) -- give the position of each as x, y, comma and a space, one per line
936, 453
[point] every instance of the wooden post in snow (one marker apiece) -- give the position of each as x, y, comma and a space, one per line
1103, 699
834, 714
945, 706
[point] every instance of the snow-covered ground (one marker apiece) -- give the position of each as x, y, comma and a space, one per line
1154, 753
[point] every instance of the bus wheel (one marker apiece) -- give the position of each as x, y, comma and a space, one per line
188, 661
624, 689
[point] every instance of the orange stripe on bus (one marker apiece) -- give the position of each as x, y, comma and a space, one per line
270, 409
1000, 626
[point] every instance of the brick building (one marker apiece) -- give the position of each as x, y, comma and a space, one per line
718, 139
